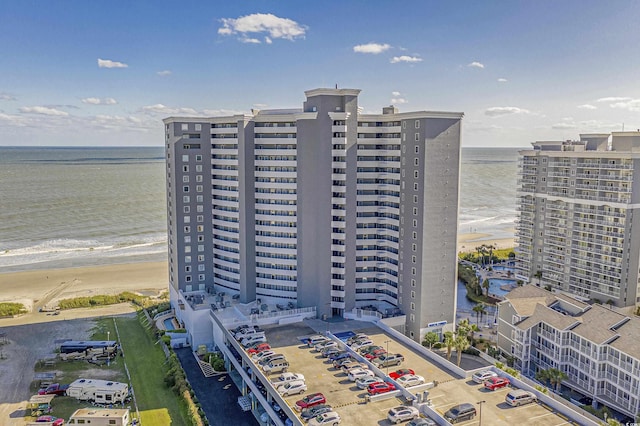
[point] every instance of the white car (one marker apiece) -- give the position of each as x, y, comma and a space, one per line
258, 338
364, 382
257, 357
287, 377
331, 418
402, 414
292, 388
359, 373
409, 380
483, 375
359, 336
320, 346
361, 344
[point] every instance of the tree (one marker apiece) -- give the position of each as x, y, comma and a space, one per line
553, 376
430, 339
480, 310
460, 343
466, 329
490, 247
486, 285
449, 342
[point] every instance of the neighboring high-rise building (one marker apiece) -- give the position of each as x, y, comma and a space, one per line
320, 206
578, 203
596, 347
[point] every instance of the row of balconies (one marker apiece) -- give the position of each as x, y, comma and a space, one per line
598, 212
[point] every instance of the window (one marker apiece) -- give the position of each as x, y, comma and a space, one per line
198, 188
185, 158
185, 179
404, 137
200, 268
187, 239
184, 127
413, 283
199, 168
414, 247
415, 198
417, 137
186, 219
417, 124
415, 174
188, 278
199, 218
413, 259
199, 178
417, 149
413, 306
186, 199
415, 223
413, 271
201, 258
187, 268
416, 161
413, 294
415, 211
200, 247
187, 259
415, 186
198, 157
185, 189
187, 249
185, 169
199, 198
187, 229
404, 124
186, 209
415, 235
200, 238
198, 127
200, 228
200, 277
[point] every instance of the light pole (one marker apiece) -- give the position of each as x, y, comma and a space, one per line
480, 412
387, 354
108, 334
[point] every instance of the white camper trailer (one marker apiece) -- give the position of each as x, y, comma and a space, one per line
100, 391
100, 417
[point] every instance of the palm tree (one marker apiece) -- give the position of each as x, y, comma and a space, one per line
449, 342
430, 339
466, 329
480, 310
460, 343
490, 247
486, 285
553, 376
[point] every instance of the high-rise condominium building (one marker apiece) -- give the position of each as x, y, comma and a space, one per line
579, 224
321, 206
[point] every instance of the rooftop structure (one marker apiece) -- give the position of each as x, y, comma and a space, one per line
578, 226
319, 207
597, 347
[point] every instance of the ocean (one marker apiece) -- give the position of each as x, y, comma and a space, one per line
70, 207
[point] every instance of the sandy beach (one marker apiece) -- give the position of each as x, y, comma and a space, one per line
469, 242
44, 287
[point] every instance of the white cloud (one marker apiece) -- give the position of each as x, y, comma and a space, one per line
268, 40
500, 111
405, 58
613, 99
502, 80
98, 101
632, 105
44, 111
257, 23
395, 93
373, 48
108, 63
164, 73
245, 39
476, 64
163, 109
564, 125
399, 101
7, 97
587, 106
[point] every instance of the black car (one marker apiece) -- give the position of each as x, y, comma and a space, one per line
460, 412
311, 412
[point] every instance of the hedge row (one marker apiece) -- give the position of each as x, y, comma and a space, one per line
101, 300
10, 308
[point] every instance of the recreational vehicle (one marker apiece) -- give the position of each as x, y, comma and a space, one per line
100, 391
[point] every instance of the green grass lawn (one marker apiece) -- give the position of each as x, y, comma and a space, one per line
146, 362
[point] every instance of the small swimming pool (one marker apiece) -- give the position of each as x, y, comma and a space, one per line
168, 324
496, 283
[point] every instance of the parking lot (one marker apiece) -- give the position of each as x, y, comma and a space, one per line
350, 402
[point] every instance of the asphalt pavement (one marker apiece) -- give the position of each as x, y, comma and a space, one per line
218, 394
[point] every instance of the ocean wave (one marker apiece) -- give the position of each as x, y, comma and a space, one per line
64, 249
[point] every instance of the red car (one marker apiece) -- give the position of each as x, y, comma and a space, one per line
310, 401
401, 372
376, 388
376, 353
258, 348
54, 389
50, 419
496, 383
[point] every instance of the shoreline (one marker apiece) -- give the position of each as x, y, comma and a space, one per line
468, 242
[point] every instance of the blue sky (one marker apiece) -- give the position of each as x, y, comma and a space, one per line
105, 73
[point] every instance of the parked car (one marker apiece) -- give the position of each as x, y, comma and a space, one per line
292, 388
360, 344
460, 412
402, 414
248, 333
266, 359
410, 380
388, 360
339, 355
517, 397
287, 377
328, 344
355, 337
331, 418
368, 349
338, 364
256, 338
310, 401
483, 375
241, 328
347, 368
276, 366
316, 410
314, 340
375, 354
364, 382
260, 355
420, 421
327, 352
359, 373
258, 347
54, 421
496, 383
401, 372
383, 387
54, 389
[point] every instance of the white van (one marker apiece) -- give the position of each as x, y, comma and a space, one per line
519, 397
314, 340
276, 366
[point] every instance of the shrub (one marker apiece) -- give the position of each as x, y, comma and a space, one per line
10, 308
101, 300
499, 365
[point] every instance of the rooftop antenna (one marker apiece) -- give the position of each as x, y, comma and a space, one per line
336, 85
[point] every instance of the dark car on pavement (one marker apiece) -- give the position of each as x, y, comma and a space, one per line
316, 410
460, 412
